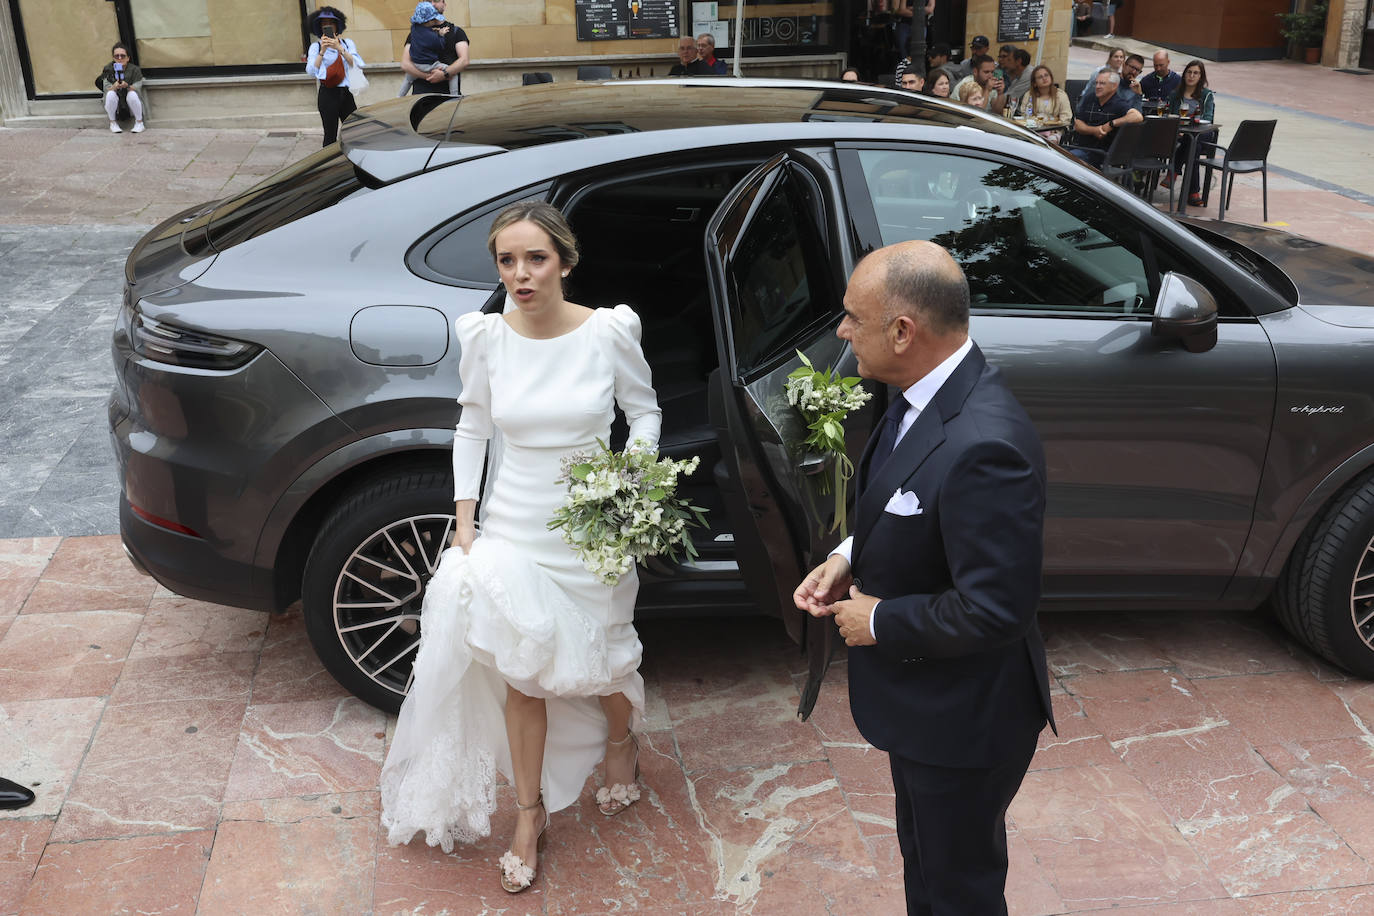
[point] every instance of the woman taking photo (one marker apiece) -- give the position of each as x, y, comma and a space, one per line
332, 61
1193, 100
120, 81
528, 664
1046, 101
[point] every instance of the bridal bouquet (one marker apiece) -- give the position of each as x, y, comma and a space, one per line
825, 399
623, 507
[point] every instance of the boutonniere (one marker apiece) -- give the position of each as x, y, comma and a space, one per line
824, 400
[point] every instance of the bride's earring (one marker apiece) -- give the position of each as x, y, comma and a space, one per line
565, 274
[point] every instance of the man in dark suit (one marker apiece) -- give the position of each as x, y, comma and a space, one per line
947, 668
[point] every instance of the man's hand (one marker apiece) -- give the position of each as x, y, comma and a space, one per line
825, 585
854, 616
437, 75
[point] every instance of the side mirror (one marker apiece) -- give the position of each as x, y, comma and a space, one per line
1186, 310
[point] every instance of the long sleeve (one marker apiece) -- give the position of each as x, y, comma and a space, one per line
474, 423
329, 57
634, 390
310, 68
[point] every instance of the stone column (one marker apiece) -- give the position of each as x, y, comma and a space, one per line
14, 101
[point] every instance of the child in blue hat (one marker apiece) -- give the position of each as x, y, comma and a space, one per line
426, 45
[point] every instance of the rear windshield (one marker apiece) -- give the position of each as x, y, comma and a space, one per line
314, 183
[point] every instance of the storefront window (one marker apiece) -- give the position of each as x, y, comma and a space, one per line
66, 52
216, 33
779, 27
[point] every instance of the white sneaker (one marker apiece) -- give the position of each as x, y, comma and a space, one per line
115, 128
138, 127
1109, 35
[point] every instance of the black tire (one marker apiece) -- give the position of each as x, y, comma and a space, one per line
366, 576
1326, 594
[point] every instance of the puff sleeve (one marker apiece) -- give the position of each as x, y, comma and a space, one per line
474, 423
634, 390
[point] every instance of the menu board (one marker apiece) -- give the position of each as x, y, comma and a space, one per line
1019, 20
610, 20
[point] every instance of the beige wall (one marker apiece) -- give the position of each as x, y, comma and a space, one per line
982, 20
68, 52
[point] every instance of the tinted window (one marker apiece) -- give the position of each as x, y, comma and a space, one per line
462, 254
1025, 241
779, 276
314, 183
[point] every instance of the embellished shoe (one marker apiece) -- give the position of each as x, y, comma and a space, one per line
611, 800
516, 876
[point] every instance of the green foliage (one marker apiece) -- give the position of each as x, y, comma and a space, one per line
1307, 28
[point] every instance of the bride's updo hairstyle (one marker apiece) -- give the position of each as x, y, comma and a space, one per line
546, 217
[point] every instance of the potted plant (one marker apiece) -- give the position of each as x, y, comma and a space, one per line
1305, 29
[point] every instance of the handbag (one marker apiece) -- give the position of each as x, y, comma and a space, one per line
357, 80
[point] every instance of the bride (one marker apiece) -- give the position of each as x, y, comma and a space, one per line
527, 664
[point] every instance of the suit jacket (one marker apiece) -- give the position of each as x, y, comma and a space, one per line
958, 677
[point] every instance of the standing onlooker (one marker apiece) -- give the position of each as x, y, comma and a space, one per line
1160, 85
1082, 17
990, 87
688, 64
455, 59
1112, 7
426, 46
706, 52
937, 57
979, 45
120, 81
330, 60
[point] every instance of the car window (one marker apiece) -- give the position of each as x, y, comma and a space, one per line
1026, 242
460, 254
779, 276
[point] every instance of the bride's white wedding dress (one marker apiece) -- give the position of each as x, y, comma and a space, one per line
519, 608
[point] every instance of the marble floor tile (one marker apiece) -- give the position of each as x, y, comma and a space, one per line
153, 767
1213, 645
1087, 643
186, 627
1130, 706
21, 846
14, 591
295, 855
25, 557
72, 654
151, 679
307, 747
42, 743
1078, 742
90, 573
1345, 901
1209, 774
1104, 842
1029, 889
830, 717
289, 671
865, 778
161, 873
1272, 853
1335, 778
1285, 706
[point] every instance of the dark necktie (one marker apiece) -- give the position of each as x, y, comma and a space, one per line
887, 436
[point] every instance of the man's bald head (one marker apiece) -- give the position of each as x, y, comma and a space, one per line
925, 283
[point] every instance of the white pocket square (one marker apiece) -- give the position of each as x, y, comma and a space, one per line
904, 502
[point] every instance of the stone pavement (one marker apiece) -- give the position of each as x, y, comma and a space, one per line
190, 757
195, 758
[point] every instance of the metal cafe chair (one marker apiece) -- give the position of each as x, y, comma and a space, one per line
594, 73
1154, 154
1121, 153
1247, 152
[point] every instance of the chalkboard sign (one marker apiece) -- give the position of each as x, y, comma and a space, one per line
611, 20
1019, 20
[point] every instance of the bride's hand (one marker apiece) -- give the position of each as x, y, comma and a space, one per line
463, 536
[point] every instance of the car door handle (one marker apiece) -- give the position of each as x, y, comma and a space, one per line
814, 464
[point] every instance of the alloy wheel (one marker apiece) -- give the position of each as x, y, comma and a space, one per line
1362, 595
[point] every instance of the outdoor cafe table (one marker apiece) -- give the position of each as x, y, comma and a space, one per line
1193, 131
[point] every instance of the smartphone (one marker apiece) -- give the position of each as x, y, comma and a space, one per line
997, 74
327, 29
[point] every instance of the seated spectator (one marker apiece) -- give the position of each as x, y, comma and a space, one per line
979, 45
688, 64
1104, 111
850, 75
706, 53
426, 47
937, 57
1130, 73
1016, 75
1193, 98
1117, 63
120, 81
1160, 85
971, 94
1046, 100
910, 81
983, 75
1116, 59
938, 83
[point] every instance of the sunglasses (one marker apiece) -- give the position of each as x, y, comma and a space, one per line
121, 56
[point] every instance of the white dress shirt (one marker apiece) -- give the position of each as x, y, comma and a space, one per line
917, 397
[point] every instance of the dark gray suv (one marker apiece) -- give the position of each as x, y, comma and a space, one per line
286, 370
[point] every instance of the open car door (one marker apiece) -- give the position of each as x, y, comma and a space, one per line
777, 267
